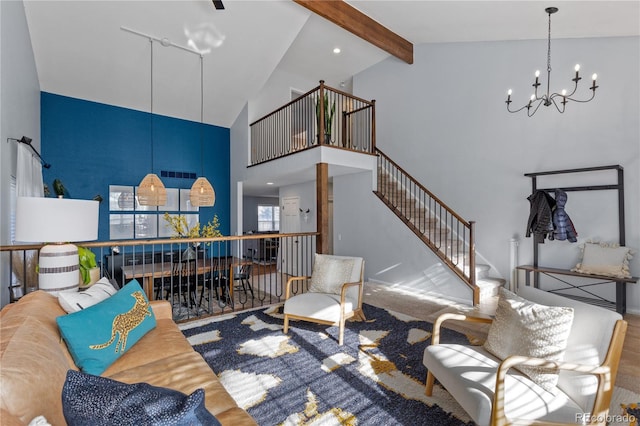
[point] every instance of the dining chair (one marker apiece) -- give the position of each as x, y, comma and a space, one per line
183, 282
215, 284
243, 277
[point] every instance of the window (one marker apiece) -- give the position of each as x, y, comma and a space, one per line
129, 220
268, 218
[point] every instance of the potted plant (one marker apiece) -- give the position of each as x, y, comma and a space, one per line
58, 188
328, 117
89, 270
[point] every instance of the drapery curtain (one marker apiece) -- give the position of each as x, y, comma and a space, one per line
28, 173
28, 184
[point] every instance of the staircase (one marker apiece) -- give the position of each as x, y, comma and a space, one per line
441, 229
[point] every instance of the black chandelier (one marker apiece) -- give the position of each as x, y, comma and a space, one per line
547, 99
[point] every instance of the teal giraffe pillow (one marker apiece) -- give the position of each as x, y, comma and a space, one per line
98, 335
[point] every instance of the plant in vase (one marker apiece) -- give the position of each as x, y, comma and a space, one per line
89, 271
58, 188
181, 229
328, 117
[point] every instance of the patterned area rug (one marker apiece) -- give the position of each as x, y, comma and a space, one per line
305, 378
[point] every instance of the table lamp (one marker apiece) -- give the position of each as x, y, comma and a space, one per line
56, 222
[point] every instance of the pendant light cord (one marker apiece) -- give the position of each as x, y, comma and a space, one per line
201, 114
151, 97
549, 58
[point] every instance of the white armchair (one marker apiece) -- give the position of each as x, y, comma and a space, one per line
492, 392
334, 295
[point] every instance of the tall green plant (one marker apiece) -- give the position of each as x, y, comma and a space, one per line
328, 113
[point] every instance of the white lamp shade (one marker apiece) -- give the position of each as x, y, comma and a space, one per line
56, 220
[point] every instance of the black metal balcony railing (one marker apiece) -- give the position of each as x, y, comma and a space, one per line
322, 116
200, 277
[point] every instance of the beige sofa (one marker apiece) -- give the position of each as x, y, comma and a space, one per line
34, 362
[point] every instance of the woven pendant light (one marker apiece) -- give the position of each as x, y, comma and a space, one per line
151, 191
202, 193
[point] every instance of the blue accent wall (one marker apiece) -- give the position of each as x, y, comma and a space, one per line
92, 145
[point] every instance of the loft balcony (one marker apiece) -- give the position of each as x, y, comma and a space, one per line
321, 118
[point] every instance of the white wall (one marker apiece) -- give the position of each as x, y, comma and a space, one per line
19, 110
364, 226
277, 92
239, 139
443, 119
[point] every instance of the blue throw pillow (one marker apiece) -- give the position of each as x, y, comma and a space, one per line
98, 401
100, 334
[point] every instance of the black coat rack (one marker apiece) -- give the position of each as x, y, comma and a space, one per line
620, 303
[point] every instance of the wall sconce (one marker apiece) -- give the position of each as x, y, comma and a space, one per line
305, 214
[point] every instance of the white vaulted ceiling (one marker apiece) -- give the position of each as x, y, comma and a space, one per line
81, 51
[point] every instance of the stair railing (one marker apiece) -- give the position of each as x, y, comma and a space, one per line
322, 116
445, 232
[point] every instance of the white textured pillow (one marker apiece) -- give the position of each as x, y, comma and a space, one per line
79, 300
604, 259
525, 328
330, 273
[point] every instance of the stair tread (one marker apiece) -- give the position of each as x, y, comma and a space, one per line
490, 281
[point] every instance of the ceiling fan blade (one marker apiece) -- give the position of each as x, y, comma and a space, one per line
218, 4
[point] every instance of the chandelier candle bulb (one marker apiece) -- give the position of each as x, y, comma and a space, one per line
578, 78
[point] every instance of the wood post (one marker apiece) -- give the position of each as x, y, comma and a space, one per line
322, 208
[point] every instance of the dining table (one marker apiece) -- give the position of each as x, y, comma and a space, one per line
148, 272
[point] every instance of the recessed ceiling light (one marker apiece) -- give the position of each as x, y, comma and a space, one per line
269, 183
336, 50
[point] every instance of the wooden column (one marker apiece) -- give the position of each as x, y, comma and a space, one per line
322, 207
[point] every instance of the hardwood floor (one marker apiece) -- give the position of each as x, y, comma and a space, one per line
429, 309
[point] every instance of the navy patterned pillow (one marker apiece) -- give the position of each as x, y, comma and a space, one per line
98, 401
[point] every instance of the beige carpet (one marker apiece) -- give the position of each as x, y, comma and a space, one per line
429, 307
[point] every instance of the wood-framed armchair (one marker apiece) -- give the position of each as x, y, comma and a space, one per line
334, 295
493, 392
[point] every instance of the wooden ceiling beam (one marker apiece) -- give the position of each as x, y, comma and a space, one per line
357, 23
